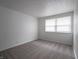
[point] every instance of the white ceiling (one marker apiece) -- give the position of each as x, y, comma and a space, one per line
39, 8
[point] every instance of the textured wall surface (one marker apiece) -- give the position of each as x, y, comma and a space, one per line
65, 38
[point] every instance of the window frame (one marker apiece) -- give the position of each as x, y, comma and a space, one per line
60, 25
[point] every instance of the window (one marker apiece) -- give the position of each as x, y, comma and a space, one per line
50, 25
62, 24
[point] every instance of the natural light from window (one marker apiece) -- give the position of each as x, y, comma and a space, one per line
62, 24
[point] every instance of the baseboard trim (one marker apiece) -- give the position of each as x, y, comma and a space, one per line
15, 45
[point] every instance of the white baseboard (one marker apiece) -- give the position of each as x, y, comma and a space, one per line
14, 45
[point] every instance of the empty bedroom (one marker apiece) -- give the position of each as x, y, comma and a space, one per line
38, 29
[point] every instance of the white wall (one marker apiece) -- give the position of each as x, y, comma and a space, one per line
16, 28
75, 31
65, 38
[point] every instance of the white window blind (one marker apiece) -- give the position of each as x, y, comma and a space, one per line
50, 25
62, 24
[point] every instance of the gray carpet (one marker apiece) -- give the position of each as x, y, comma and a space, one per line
40, 49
